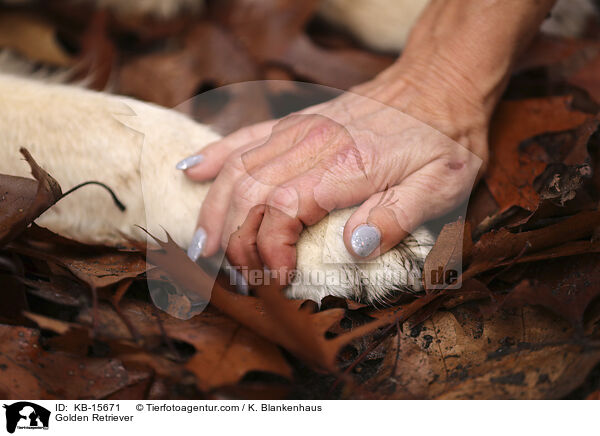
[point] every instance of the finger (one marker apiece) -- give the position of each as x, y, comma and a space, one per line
242, 250
235, 177
255, 187
276, 241
303, 201
207, 163
237, 188
386, 218
207, 238
250, 173
281, 139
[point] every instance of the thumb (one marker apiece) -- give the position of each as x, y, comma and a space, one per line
206, 163
387, 217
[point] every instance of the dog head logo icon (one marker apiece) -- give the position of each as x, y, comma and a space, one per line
26, 415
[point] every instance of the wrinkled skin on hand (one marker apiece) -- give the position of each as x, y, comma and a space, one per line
372, 152
348, 151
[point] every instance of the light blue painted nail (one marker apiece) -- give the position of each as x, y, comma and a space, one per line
189, 162
365, 239
197, 245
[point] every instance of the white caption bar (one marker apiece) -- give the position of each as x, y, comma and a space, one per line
299, 417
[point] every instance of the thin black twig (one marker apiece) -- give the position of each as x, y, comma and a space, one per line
117, 202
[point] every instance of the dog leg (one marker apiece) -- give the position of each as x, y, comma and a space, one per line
79, 135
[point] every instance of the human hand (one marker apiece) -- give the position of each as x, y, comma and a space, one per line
384, 149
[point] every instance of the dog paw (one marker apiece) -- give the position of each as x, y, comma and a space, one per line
324, 266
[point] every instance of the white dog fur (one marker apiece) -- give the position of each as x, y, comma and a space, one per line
79, 135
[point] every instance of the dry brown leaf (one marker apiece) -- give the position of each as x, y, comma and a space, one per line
594, 396
28, 371
511, 172
565, 250
97, 54
454, 355
452, 245
265, 29
23, 200
209, 56
341, 69
225, 350
34, 37
497, 247
273, 32
94, 265
565, 288
273, 316
14, 299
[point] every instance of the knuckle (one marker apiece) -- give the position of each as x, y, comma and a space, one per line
396, 215
266, 243
347, 153
238, 202
243, 134
248, 192
243, 186
235, 246
393, 219
407, 221
320, 130
226, 240
289, 120
234, 166
284, 200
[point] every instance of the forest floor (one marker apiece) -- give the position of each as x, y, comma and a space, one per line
78, 321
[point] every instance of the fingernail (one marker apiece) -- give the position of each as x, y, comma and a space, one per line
189, 162
365, 239
197, 245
